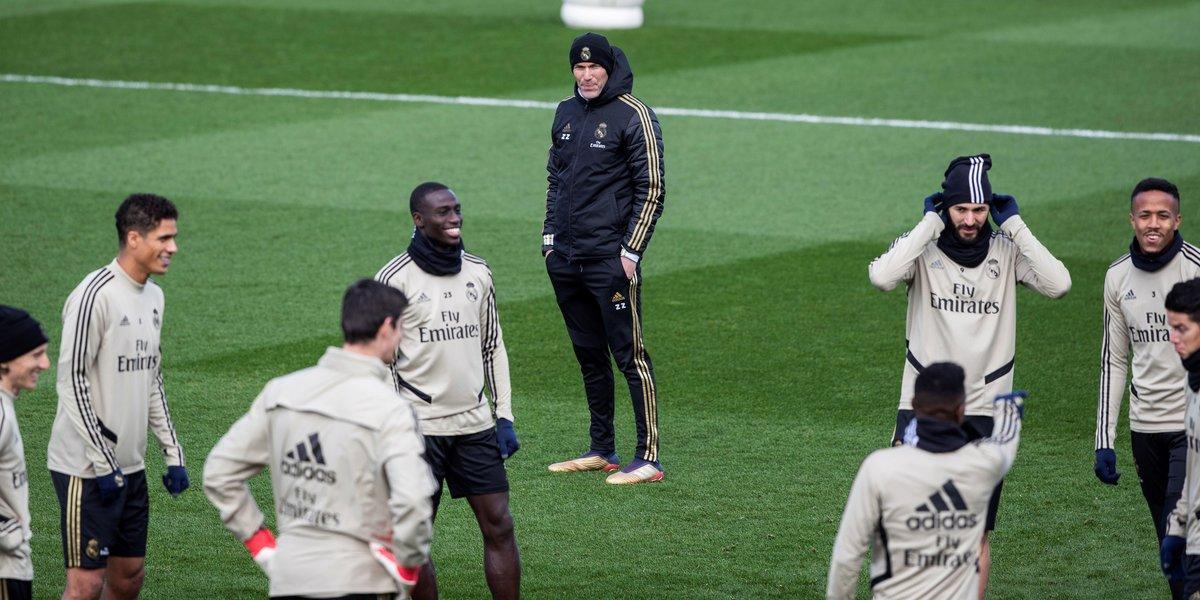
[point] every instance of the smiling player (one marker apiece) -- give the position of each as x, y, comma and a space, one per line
1135, 323
110, 389
452, 353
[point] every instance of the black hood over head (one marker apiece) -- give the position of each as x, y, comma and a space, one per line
620, 81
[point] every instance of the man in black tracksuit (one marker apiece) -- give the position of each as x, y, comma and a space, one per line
604, 196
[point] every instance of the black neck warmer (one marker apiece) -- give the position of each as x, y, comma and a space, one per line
1192, 365
934, 435
1158, 260
435, 259
967, 254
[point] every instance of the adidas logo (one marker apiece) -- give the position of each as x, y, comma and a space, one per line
618, 297
301, 451
937, 264
303, 461
124, 321
1130, 295
940, 512
422, 298
567, 129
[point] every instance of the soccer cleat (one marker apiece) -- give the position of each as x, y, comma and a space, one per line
638, 471
589, 461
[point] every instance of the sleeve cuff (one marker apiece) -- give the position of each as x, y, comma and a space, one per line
547, 239
1013, 226
625, 253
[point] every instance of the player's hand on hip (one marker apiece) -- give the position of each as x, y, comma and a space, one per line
262, 548
1171, 555
506, 438
933, 202
629, 266
1106, 466
110, 486
405, 577
1003, 208
176, 480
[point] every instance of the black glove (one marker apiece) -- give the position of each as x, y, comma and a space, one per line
506, 437
110, 486
1171, 555
176, 480
1106, 466
1003, 207
933, 202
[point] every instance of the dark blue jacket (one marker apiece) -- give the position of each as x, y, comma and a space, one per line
605, 169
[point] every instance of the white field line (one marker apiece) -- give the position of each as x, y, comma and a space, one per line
680, 112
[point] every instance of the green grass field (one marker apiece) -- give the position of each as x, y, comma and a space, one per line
778, 364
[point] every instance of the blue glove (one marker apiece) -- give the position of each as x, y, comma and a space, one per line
176, 480
933, 202
1106, 466
1171, 554
1003, 207
110, 486
506, 437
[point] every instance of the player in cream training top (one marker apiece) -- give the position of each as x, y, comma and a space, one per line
110, 389
961, 279
1136, 341
1180, 549
921, 506
22, 360
352, 493
451, 357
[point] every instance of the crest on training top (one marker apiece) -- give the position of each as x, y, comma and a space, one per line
472, 294
585, 53
993, 268
601, 130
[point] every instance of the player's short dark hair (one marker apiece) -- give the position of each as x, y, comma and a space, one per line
939, 388
142, 213
420, 192
366, 305
1184, 297
1155, 184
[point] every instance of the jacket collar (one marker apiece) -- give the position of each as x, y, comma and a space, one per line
353, 363
119, 271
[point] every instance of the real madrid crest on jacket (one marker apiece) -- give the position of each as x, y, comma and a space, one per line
453, 350
605, 172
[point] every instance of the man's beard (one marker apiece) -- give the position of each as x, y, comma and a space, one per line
971, 240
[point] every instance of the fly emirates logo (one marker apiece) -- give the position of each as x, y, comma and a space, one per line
964, 301
140, 361
452, 329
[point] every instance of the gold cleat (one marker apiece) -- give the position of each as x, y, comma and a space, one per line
646, 473
587, 462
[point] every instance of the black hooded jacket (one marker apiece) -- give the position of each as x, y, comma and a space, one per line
605, 171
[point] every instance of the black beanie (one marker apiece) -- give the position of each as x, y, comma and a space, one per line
594, 48
967, 181
19, 333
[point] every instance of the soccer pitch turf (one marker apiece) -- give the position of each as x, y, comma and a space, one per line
779, 365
